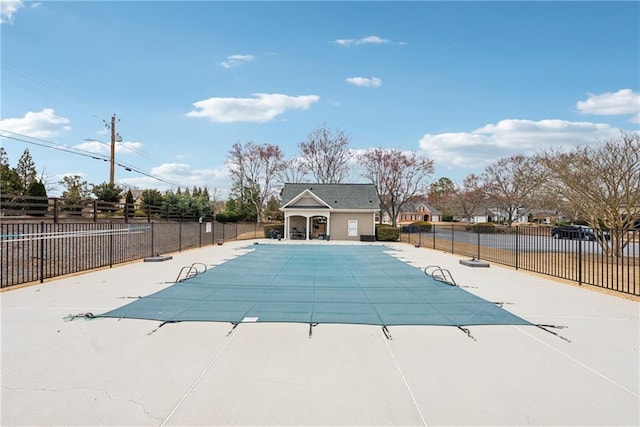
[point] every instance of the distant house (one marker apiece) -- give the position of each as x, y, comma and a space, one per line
317, 211
418, 210
545, 216
137, 196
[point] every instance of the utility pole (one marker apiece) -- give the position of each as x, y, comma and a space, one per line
113, 150
115, 137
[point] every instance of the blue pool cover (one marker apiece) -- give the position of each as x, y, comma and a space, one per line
359, 284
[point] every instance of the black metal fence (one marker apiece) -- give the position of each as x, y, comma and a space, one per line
611, 262
35, 251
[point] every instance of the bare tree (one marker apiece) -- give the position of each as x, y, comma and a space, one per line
294, 171
601, 184
470, 197
373, 161
512, 182
397, 176
325, 154
255, 170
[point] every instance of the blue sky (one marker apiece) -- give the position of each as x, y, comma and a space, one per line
463, 83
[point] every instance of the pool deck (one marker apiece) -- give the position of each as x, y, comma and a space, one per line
133, 372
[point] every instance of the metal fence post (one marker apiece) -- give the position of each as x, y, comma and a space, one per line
41, 262
434, 236
579, 260
152, 238
200, 234
452, 239
517, 246
111, 244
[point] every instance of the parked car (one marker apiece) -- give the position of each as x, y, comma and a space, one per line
578, 232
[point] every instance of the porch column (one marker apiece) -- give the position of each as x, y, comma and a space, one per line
308, 230
329, 224
286, 226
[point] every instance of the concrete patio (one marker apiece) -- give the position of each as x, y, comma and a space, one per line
133, 372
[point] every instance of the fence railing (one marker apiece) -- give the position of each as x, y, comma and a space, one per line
534, 249
35, 251
55, 209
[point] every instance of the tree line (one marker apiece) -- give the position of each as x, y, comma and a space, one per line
598, 184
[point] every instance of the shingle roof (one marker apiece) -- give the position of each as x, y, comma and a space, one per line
412, 206
338, 196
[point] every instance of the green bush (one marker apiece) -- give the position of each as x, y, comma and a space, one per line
387, 233
277, 227
227, 216
484, 227
421, 226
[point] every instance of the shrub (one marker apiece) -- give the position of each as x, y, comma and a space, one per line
484, 227
387, 233
271, 227
38, 203
421, 226
227, 216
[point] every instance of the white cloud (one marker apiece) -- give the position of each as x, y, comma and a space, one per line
624, 101
491, 142
365, 40
234, 60
365, 81
41, 124
263, 108
98, 147
8, 8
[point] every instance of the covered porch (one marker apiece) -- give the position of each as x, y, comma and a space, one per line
307, 225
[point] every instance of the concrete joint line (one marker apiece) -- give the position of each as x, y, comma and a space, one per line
202, 374
404, 380
579, 363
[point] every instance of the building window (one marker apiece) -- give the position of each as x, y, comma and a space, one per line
352, 231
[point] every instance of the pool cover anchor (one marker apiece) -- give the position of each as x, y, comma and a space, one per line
70, 317
162, 324
235, 325
311, 325
501, 303
386, 332
544, 328
466, 331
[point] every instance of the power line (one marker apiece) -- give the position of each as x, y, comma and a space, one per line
71, 150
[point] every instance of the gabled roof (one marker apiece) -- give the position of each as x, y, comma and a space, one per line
336, 196
412, 206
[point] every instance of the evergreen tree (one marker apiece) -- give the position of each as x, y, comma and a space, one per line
152, 200
76, 191
129, 204
9, 180
107, 192
39, 203
26, 170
